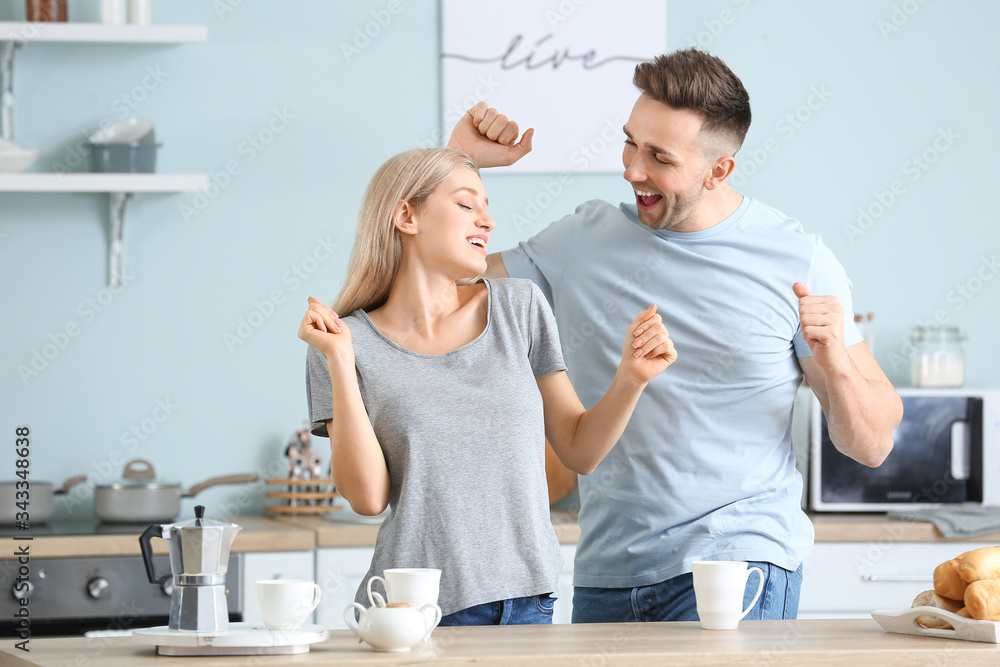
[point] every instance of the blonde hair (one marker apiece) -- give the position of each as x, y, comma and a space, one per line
409, 177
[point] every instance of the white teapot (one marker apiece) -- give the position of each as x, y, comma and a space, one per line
393, 628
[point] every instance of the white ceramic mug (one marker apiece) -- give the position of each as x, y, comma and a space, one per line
285, 603
416, 586
719, 587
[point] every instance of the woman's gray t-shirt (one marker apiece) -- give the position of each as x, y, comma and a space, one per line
463, 436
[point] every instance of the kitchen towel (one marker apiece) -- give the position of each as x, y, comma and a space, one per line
956, 522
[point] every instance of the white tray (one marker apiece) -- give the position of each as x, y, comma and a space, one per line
904, 622
239, 639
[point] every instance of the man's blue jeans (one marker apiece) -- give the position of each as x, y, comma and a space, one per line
673, 599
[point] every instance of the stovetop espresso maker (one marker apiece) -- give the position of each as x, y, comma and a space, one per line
199, 558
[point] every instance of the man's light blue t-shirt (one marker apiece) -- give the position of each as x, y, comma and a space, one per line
705, 469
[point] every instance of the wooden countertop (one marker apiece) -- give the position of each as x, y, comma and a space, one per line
340, 534
875, 527
306, 533
829, 528
812, 642
257, 534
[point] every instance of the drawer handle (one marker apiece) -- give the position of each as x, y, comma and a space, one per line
896, 577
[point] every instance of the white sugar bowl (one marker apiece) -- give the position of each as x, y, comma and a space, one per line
395, 628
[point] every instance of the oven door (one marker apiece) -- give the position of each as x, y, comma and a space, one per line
106, 594
934, 451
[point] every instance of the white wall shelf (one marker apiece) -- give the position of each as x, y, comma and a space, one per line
16, 31
120, 187
131, 183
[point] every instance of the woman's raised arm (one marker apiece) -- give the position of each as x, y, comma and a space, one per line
359, 469
582, 438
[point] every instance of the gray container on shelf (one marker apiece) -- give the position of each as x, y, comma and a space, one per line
136, 157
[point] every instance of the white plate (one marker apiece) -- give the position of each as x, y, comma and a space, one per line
239, 639
904, 621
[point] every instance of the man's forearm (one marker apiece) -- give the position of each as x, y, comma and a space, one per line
861, 415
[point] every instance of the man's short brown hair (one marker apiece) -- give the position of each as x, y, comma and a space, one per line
694, 80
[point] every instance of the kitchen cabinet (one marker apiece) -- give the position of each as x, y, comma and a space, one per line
851, 579
563, 612
339, 572
273, 565
119, 187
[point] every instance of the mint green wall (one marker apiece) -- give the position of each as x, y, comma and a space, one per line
281, 229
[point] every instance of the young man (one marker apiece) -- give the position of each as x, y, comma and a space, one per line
705, 469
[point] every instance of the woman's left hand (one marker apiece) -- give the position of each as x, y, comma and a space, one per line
648, 349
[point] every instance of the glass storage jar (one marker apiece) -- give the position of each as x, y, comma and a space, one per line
938, 358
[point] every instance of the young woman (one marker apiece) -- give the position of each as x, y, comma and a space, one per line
437, 392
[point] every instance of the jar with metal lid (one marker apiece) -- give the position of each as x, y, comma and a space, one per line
938, 358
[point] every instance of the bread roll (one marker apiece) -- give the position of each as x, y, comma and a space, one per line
979, 564
947, 582
964, 612
982, 599
932, 599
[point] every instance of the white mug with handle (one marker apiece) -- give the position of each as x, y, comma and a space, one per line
285, 603
719, 588
416, 586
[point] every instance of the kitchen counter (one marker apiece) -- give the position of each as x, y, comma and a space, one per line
305, 533
812, 642
257, 534
829, 528
341, 534
876, 527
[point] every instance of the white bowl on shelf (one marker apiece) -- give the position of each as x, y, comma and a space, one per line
15, 158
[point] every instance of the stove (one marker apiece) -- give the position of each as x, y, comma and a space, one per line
76, 595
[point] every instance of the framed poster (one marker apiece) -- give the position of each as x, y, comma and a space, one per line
563, 67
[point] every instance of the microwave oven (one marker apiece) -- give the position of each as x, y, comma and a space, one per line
945, 453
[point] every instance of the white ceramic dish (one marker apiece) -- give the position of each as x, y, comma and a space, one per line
239, 639
125, 132
15, 158
904, 621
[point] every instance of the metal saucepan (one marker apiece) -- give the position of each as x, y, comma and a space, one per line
40, 499
140, 498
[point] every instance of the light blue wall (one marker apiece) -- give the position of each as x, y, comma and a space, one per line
162, 338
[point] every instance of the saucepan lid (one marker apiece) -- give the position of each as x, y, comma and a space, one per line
139, 473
